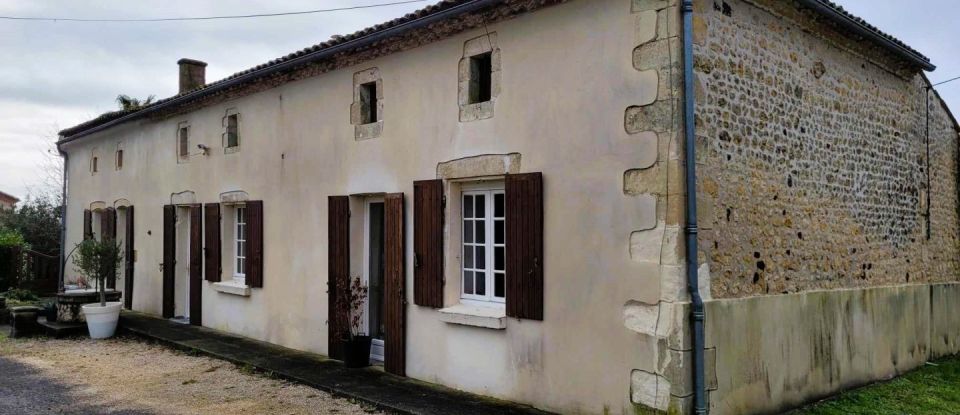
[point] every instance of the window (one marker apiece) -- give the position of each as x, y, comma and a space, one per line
479, 78
94, 164
368, 99
481, 69
240, 244
366, 111
484, 244
118, 157
183, 141
233, 133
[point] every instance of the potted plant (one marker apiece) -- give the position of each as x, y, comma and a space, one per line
355, 342
97, 261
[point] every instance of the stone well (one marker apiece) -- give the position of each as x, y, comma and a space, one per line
69, 303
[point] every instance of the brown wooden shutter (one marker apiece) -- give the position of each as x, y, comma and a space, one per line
108, 231
254, 271
338, 271
394, 301
524, 245
128, 264
196, 264
428, 243
87, 224
169, 257
211, 253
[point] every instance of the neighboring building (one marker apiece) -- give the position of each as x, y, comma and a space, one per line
508, 178
7, 201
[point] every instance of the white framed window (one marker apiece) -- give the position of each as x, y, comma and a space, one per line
483, 243
240, 244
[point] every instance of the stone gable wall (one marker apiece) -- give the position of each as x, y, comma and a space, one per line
812, 160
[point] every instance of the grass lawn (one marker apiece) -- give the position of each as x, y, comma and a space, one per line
932, 389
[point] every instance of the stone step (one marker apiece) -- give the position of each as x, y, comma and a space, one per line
60, 330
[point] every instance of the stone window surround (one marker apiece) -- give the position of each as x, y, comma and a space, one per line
229, 201
182, 158
230, 112
473, 47
456, 173
373, 129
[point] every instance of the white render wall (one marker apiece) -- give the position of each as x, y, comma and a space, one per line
567, 77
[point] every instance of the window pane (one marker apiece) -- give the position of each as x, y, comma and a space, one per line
480, 212
468, 206
498, 205
468, 257
481, 284
498, 258
468, 231
498, 231
481, 231
498, 285
481, 257
468, 282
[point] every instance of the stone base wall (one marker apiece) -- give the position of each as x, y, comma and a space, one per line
773, 353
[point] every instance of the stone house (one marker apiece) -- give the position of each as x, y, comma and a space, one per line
509, 178
8, 201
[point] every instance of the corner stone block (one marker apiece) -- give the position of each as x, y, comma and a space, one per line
656, 117
642, 5
673, 283
641, 317
647, 28
645, 245
674, 326
653, 55
644, 181
650, 390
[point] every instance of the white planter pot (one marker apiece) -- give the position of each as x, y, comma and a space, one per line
102, 321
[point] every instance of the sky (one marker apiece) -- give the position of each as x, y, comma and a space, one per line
58, 74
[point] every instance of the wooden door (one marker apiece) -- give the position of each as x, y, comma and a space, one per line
196, 264
394, 301
169, 257
338, 272
128, 264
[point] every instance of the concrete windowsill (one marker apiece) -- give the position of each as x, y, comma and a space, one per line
231, 287
478, 316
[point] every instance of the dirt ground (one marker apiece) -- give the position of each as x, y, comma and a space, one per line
130, 376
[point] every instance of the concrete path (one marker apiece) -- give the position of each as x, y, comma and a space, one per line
371, 385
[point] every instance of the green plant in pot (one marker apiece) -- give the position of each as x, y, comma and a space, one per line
98, 261
351, 299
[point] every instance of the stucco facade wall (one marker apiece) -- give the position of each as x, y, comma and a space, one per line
812, 158
567, 75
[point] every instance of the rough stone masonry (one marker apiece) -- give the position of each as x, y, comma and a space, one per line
812, 161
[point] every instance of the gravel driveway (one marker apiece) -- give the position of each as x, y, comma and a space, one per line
129, 376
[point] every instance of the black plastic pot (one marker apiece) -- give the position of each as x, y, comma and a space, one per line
356, 351
51, 312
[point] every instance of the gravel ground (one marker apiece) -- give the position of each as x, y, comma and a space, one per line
129, 376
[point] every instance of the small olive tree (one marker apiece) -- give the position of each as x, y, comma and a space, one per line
98, 260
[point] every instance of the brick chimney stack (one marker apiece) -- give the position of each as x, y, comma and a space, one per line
192, 74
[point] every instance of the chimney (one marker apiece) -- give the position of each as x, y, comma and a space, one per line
192, 74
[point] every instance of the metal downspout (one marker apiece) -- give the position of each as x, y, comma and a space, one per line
690, 215
63, 220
